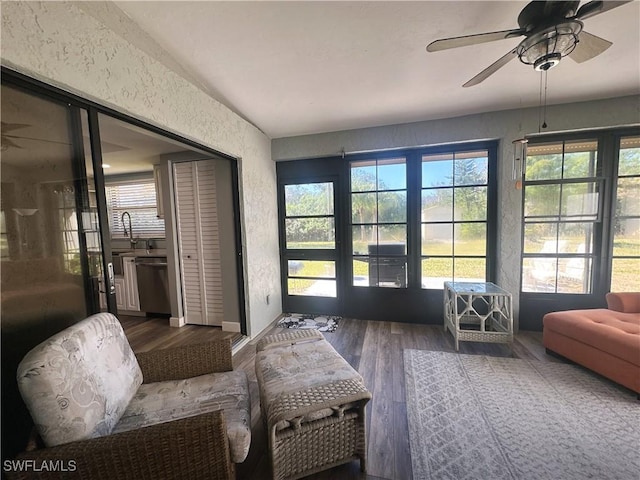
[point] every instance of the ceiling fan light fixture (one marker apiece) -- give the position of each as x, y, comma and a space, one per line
546, 48
546, 62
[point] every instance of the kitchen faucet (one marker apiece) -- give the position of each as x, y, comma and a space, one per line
131, 240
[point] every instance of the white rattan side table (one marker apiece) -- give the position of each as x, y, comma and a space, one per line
478, 312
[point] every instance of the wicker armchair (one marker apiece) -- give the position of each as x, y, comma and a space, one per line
197, 446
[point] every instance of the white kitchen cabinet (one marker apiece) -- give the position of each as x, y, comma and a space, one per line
199, 242
119, 284
130, 287
157, 178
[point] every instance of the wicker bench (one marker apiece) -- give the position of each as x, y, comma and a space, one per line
313, 404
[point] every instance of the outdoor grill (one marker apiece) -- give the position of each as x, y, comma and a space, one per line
387, 264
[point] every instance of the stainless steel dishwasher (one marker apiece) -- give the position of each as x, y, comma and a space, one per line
153, 285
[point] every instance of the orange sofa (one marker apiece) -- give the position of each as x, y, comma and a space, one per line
605, 340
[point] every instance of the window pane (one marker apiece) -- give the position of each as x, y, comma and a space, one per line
471, 171
542, 200
392, 207
363, 177
314, 288
624, 275
310, 232
628, 197
540, 237
544, 162
437, 205
539, 274
437, 170
388, 272
42, 283
469, 269
626, 238
580, 201
629, 163
574, 275
363, 207
580, 159
392, 174
362, 237
392, 234
576, 237
437, 239
360, 272
312, 268
470, 239
436, 271
309, 199
470, 203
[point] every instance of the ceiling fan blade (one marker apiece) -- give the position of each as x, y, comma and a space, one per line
8, 143
597, 7
491, 69
7, 137
588, 46
8, 127
455, 42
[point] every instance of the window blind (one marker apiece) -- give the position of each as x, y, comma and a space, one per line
139, 199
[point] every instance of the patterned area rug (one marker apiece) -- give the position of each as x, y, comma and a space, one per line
323, 323
480, 417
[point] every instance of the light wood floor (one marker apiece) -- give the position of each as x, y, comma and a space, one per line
375, 350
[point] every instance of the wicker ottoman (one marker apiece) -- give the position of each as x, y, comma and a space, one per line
312, 402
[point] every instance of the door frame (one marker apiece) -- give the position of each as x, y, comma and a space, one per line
307, 303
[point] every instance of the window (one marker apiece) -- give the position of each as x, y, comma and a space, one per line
138, 197
309, 221
453, 213
625, 266
561, 214
379, 222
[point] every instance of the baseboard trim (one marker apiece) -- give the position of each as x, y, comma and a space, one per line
132, 313
177, 322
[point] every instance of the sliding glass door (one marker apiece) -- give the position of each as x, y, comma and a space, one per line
51, 250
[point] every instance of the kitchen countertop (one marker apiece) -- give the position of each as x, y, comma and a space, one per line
154, 252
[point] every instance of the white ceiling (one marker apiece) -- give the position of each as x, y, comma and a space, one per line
303, 67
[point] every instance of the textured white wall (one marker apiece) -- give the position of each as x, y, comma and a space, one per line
504, 126
62, 45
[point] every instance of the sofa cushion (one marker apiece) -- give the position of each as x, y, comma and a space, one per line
161, 402
78, 383
627, 302
288, 368
608, 331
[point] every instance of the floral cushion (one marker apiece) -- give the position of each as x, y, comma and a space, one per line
171, 400
78, 383
284, 369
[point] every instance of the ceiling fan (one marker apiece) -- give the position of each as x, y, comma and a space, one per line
552, 31
8, 140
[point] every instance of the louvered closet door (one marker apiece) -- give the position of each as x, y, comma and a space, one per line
197, 212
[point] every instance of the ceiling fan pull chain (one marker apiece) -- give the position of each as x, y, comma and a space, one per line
544, 116
540, 104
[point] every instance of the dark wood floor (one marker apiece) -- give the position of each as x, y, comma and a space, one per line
146, 333
375, 350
